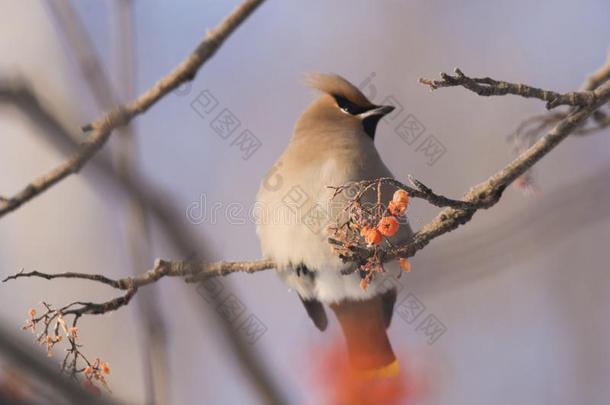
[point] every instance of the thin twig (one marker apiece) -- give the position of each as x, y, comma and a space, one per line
92, 277
162, 268
485, 86
418, 190
192, 271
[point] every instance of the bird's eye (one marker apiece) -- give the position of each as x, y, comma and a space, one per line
348, 107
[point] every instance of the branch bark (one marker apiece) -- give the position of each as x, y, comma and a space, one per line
486, 86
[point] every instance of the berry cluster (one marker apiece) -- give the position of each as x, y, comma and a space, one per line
367, 227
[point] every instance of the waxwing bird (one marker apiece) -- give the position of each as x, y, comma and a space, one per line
332, 144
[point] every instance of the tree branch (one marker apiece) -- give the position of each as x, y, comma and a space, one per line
485, 86
83, 276
418, 190
122, 115
192, 271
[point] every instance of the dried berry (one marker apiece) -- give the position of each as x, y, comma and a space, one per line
397, 208
401, 196
373, 236
405, 265
388, 226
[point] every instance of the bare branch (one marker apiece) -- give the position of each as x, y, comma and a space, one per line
419, 190
192, 271
93, 277
122, 115
485, 86
92, 308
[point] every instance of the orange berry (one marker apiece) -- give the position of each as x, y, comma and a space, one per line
397, 208
405, 265
364, 230
32, 312
373, 236
105, 368
73, 332
364, 284
401, 196
388, 226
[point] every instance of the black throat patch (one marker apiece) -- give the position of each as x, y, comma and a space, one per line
370, 125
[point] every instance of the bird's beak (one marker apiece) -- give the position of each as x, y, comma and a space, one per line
379, 111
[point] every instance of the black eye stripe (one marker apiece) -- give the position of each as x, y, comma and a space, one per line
350, 107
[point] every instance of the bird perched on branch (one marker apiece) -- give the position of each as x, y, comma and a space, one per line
332, 145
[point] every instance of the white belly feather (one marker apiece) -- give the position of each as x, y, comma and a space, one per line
294, 209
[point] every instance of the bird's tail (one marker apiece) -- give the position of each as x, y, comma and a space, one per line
364, 327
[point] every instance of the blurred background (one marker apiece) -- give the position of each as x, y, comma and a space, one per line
521, 291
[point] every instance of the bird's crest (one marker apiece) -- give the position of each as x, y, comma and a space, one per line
337, 86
